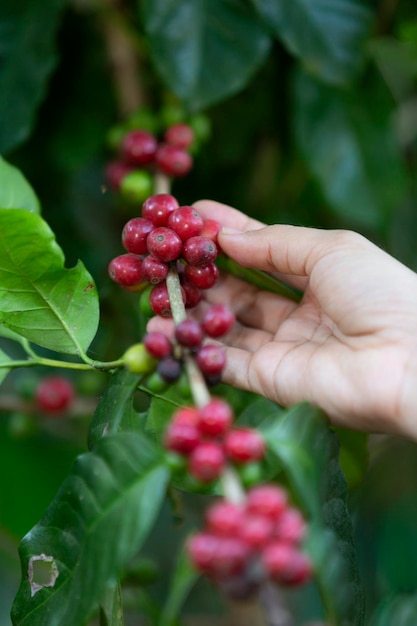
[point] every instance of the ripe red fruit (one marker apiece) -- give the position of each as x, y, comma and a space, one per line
139, 147
173, 161
286, 565
201, 549
182, 434
154, 271
164, 244
157, 208
202, 277
268, 500
115, 173
290, 527
199, 251
215, 418
192, 294
219, 557
159, 300
243, 445
225, 518
211, 359
211, 229
126, 270
180, 135
206, 461
218, 320
135, 233
157, 344
189, 333
256, 531
54, 395
186, 222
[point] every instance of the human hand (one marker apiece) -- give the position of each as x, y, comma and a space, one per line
349, 346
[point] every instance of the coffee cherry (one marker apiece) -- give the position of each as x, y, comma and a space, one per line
173, 161
54, 395
180, 135
206, 461
136, 186
211, 359
144, 303
157, 344
139, 147
189, 333
182, 434
201, 549
268, 500
243, 445
211, 229
158, 207
138, 360
169, 369
115, 173
199, 251
290, 526
202, 277
215, 418
286, 565
192, 294
218, 320
164, 244
159, 300
156, 384
154, 271
219, 557
225, 519
135, 233
256, 531
126, 270
186, 222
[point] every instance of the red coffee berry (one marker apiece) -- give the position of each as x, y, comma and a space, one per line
159, 300
192, 294
157, 344
182, 434
290, 526
211, 359
218, 320
154, 271
169, 369
244, 444
180, 135
268, 500
173, 161
189, 333
139, 147
201, 548
54, 395
164, 244
225, 518
231, 557
199, 251
158, 207
215, 418
256, 531
202, 277
285, 564
135, 233
206, 461
126, 270
211, 229
115, 173
186, 222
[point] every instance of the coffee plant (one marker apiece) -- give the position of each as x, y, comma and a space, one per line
136, 487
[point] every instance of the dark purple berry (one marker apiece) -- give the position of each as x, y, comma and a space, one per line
189, 333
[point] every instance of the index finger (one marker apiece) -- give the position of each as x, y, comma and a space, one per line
226, 215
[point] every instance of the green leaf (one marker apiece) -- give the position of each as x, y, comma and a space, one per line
98, 520
327, 37
308, 450
111, 606
205, 50
348, 141
400, 610
15, 191
40, 299
183, 579
28, 32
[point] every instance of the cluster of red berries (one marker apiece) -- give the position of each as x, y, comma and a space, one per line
206, 437
189, 334
243, 545
54, 395
165, 234
142, 149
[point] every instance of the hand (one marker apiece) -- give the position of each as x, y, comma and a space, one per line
349, 346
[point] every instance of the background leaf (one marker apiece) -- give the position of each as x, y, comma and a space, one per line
27, 34
205, 50
39, 299
98, 520
400, 610
328, 37
15, 191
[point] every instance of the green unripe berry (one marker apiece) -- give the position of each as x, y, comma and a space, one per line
144, 303
175, 462
201, 126
114, 136
183, 386
250, 473
143, 119
156, 384
172, 114
138, 360
137, 186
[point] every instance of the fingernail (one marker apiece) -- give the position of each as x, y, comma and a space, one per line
230, 231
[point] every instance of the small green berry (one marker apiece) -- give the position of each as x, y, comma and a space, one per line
143, 119
172, 114
144, 303
136, 186
138, 360
156, 384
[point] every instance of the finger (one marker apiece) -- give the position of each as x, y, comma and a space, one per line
226, 215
